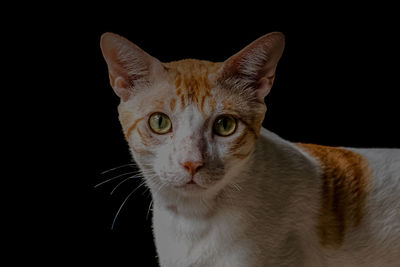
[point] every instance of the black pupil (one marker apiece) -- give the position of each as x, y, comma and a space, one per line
225, 123
160, 119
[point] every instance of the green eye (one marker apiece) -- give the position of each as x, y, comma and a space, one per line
225, 125
160, 123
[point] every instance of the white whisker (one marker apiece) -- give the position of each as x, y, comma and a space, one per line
119, 167
116, 177
129, 178
147, 189
148, 210
237, 187
123, 203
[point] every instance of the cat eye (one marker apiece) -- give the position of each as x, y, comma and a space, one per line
160, 123
224, 125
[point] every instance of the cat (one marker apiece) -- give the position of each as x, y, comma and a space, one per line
228, 192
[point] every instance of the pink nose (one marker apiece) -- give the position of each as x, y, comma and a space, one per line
192, 166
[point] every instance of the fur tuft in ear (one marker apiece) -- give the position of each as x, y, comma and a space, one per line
253, 68
128, 65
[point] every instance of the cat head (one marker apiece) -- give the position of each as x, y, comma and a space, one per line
191, 125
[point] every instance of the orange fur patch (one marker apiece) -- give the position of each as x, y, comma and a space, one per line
253, 128
130, 129
202, 103
345, 181
140, 133
191, 78
228, 105
158, 104
140, 151
172, 104
146, 139
213, 104
183, 101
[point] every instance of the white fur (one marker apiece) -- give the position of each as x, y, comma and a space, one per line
271, 220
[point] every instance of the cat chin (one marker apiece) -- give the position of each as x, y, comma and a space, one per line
190, 190
190, 186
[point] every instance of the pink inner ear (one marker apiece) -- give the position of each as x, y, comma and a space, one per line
121, 87
264, 88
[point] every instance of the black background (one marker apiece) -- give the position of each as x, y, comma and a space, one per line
336, 84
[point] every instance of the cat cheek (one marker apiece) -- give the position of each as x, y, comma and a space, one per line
159, 168
162, 161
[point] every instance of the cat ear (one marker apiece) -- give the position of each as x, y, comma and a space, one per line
253, 68
128, 65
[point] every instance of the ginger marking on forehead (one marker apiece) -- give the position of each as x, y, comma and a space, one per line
228, 105
172, 104
345, 181
158, 104
178, 82
183, 101
202, 103
213, 104
191, 78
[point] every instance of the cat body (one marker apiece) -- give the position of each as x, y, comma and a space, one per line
226, 191
271, 220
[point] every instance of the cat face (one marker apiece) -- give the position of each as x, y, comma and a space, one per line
191, 125
188, 130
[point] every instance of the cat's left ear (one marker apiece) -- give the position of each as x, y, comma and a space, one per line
253, 68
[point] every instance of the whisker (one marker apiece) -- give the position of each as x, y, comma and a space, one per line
123, 203
115, 188
147, 189
113, 178
119, 167
160, 186
148, 210
129, 178
237, 187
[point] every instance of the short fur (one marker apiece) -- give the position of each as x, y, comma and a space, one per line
252, 199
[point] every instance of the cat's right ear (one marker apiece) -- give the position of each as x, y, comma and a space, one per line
128, 65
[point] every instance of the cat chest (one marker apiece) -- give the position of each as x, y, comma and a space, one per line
192, 242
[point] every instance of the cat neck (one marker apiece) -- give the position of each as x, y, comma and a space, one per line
274, 171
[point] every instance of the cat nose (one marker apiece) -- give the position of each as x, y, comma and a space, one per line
192, 166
